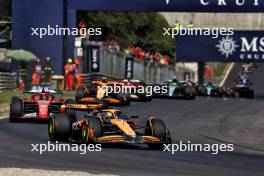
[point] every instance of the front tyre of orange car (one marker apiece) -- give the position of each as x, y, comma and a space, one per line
91, 130
157, 128
59, 127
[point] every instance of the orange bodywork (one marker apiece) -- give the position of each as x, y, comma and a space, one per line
120, 123
112, 100
124, 126
101, 93
101, 83
92, 99
88, 99
129, 135
120, 139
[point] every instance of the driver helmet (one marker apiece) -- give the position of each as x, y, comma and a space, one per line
174, 79
48, 59
244, 76
37, 61
70, 60
104, 79
108, 115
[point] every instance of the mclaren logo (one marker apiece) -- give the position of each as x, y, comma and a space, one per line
227, 46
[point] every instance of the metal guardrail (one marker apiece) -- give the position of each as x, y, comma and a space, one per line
87, 78
7, 81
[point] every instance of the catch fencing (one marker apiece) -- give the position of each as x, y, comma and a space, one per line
7, 81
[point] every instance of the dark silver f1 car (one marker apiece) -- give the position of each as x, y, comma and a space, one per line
210, 90
179, 89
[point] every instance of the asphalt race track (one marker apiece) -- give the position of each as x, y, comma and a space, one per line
205, 120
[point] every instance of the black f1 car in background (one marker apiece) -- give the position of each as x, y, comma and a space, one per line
41, 103
107, 126
210, 90
214, 91
243, 87
176, 89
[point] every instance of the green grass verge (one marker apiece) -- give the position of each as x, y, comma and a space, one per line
6, 96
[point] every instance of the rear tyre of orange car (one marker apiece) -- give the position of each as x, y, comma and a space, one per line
91, 130
157, 128
59, 127
71, 113
16, 109
124, 99
80, 93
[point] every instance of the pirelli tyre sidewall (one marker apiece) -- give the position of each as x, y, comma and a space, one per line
59, 127
157, 128
16, 109
91, 130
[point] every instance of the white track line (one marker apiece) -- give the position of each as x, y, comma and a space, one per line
226, 75
3, 117
40, 172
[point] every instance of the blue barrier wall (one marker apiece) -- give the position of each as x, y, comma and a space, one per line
169, 5
241, 47
38, 13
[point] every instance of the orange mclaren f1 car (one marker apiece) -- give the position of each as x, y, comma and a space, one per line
96, 91
107, 126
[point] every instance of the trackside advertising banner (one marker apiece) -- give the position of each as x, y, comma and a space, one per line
169, 5
241, 47
129, 67
94, 58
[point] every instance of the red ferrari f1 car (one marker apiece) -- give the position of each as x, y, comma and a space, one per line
41, 103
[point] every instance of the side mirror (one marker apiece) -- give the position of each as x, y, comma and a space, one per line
134, 117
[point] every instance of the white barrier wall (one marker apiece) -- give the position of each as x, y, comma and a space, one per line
113, 64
